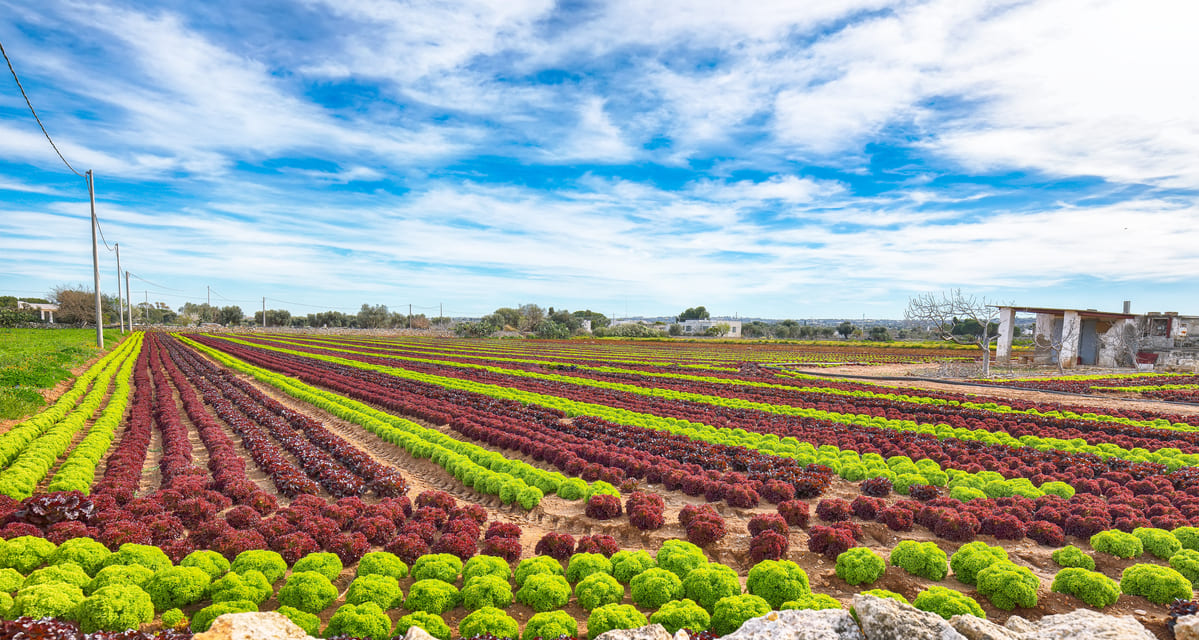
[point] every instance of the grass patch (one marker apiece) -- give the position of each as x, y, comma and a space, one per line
34, 359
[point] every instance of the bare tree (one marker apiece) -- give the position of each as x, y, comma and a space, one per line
1125, 341
1054, 345
943, 313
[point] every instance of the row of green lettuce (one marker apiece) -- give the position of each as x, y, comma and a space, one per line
83, 581
488, 472
851, 465
32, 448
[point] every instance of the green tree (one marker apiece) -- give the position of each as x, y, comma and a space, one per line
845, 328
694, 313
879, 334
376, 317
598, 320
231, 315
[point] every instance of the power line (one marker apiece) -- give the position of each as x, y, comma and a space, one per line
154, 284
35, 116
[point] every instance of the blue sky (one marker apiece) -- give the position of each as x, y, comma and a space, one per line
826, 158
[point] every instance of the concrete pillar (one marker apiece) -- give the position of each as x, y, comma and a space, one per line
1071, 335
1007, 327
1042, 336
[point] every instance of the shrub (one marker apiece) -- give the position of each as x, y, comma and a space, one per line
924, 559
432, 596
681, 614
486, 590
1091, 587
203, 618
833, 510
488, 620
67, 572
269, 563
537, 565
1117, 543
1046, 533
829, 541
653, 588
507, 548
430, 622
437, 566
1188, 537
249, 585
973, 557
171, 618
1186, 562
602, 544
379, 589
603, 507
1159, 542
365, 620
813, 601
309, 622
47, 601
706, 585
176, 587
307, 591
627, 564
550, 624
777, 581
10, 580
486, 566
860, 565
794, 512
599, 589
584, 564
115, 608
384, 564
119, 574
555, 545
407, 547
26, 553
544, 592
1008, 586
326, 564
705, 528
947, 603
147, 556
1160, 585
614, 616
210, 562
1072, 556
731, 612
572, 489
680, 557
85, 552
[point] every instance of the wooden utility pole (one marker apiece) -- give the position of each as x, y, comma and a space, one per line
91, 194
120, 305
264, 312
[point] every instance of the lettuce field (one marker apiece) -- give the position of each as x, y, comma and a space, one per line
558, 489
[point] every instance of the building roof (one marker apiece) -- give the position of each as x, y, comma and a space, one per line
1082, 313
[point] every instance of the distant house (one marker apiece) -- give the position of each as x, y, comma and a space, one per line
43, 309
700, 327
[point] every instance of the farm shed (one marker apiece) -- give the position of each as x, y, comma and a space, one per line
42, 309
1075, 336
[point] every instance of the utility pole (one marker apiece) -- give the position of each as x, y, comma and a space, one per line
441, 312
91, 194
129, 298
264, 312
409, 315
120, 305
209, 294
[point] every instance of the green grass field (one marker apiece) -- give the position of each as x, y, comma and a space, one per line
34, 359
